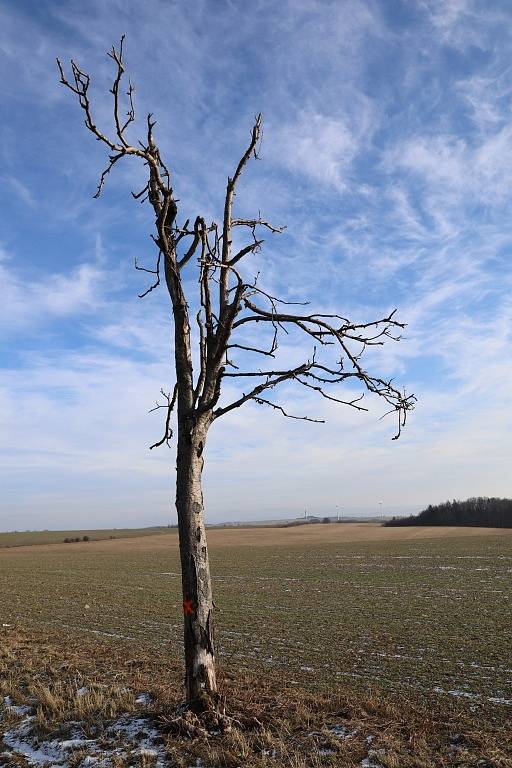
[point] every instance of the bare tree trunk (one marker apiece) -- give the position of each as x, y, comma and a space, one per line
200, 681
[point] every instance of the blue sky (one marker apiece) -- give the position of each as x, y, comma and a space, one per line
386, 153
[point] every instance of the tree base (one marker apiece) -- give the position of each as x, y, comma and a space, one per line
205, 716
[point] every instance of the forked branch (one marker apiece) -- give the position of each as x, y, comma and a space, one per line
169, 405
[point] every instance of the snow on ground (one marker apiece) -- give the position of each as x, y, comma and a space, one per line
372, 760
499, 700
18, 742
127, 737
343, 732
469, 695
16, 710
143, 698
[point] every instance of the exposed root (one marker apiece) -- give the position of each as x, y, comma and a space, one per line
210, 719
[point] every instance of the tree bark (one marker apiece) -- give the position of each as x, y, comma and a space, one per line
200, 680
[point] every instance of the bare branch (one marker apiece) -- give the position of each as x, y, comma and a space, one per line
183, 232
245, 374
203, 357
259, 222
171, 401
117, 56
138, 195
269, 384
244, 251
80, 88
113, 160
352, 403
269, 353
261, 401
150, 154
152, 271
199, 225
228, 209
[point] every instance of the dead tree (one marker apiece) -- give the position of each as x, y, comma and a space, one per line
230, 307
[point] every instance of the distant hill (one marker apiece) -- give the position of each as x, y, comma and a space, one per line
480, 512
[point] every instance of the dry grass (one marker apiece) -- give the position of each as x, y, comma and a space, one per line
273, 725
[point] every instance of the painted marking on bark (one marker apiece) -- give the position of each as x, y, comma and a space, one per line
188, 607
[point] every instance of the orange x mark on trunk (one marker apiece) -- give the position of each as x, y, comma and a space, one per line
188, 607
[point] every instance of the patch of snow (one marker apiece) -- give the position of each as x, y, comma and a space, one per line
82, 691
307, 669
21, 710
456, 692
132, 727
140, 738
145, 752
71, 744
464, 694
143, 698
111, 634
499, 700
18, 740
342, 732
372, 761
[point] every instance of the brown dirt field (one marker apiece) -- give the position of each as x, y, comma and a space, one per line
315, 534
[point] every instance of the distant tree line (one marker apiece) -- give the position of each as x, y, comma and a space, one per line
69, 540
481, 511
75, 539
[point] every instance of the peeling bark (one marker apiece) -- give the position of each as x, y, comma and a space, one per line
200, 680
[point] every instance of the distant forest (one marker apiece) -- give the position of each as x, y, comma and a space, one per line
481, 512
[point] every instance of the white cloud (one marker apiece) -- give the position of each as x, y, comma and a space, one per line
316, 146
463, 23
488, 96
27, 301
23, 192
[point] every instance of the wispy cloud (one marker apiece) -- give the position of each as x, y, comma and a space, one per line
319, 147
28, 301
